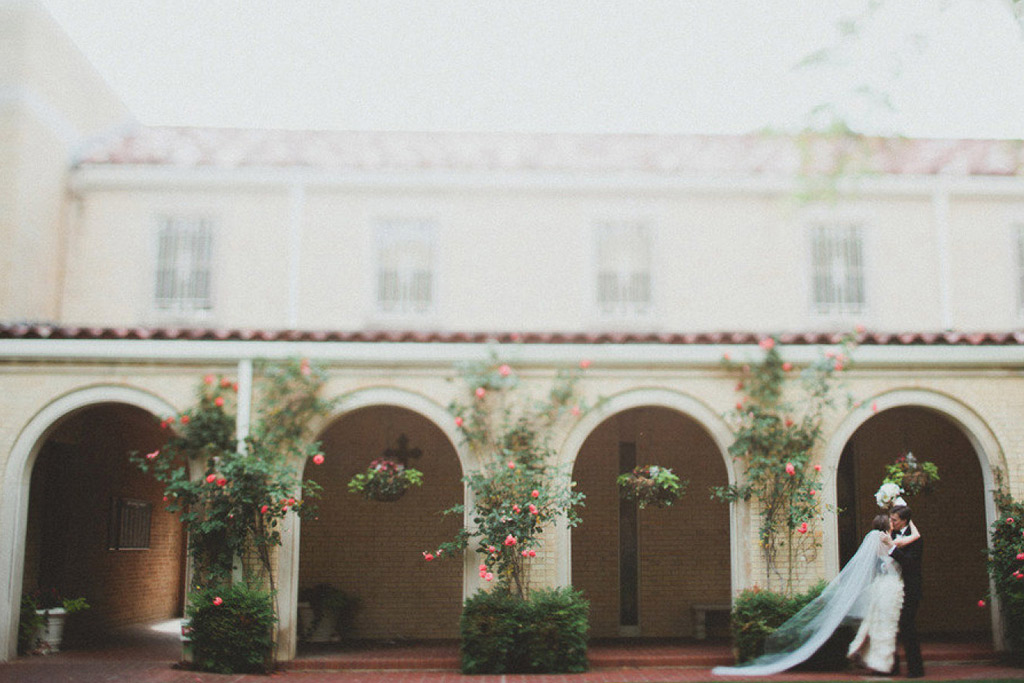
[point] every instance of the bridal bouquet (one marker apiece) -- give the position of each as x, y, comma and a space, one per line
888, 494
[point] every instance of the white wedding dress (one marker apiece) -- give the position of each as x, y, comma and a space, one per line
874, 646
848, 597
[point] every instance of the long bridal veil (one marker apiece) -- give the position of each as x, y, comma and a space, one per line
845, 597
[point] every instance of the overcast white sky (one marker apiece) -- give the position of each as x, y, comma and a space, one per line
951, 68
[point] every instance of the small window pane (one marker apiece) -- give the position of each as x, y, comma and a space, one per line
405, 267
129, 524
837, 254
183, 272
623, 269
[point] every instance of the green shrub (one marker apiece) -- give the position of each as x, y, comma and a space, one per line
757, 613
544, 633
1006, 567
232, 629
29, 624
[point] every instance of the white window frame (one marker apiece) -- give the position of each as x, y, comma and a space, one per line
184, 308
625, 313
393, 230
837, 310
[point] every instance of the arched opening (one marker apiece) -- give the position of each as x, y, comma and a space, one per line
97, 526
645, 570
373, 551
952, 519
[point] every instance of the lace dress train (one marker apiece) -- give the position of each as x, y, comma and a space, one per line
874, 646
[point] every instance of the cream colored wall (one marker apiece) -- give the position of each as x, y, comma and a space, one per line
522, 259
51, 100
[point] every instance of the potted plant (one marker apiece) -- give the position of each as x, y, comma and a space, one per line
912, 476
385, 480
43, 633
324, 613
651, 485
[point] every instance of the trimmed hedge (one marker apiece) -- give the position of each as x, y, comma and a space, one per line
757, 613
234, 635
545, 633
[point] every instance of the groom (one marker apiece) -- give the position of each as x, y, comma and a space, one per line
909, 558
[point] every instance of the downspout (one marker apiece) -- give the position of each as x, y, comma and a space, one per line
940, 207
297, 208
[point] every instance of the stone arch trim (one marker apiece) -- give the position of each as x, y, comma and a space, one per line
688, 406
288, 559
18, 476
983, 440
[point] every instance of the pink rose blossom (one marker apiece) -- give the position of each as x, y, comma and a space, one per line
817, 468
165, 499
483, 567
788, 422
726, 357
1020, 556
480, 392
516, 509
838, 366
790, 469
458, 421
1009, 520
981, 603
150, 456
533, 553
318, 459
874, 407
225, 383
510, 540
222, 482
813, 492
504, 371
185, 419
575, 410
263, 510
787, 366
217, 601
526, 553
767, 344
802, 529
584, 364
491, 549
209, 379
210, 478
511, 465
739, 405
291, 501
488, 576
284, 509
535, 493
428, 556
219, 401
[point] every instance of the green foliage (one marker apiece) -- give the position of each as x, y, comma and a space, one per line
912, 476
757, 613
385, 480
545, 633
232, 629
29, 624
775, 441
651, 485
1006, 565
515, 490
235, 510
51, 598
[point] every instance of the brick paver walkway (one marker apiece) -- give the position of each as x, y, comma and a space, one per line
148, 657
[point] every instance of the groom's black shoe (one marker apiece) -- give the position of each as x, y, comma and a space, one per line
915, 674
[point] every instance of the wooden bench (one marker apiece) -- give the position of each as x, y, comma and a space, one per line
700, 617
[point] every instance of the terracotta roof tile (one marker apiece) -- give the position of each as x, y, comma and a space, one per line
664, 155
913, 338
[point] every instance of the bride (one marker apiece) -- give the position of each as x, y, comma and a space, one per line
869, 588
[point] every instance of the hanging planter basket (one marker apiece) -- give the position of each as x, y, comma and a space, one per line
385, 481
651, 485
913, 476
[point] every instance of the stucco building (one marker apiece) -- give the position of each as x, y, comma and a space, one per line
135, 260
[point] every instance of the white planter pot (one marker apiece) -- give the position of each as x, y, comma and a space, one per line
51, 632
324, 631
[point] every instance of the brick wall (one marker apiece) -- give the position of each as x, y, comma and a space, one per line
683, 549
373, 550
79, 470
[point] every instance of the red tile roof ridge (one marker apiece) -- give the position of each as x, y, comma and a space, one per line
44, 331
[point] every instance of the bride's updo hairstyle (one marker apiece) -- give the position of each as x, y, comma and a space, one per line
880, 523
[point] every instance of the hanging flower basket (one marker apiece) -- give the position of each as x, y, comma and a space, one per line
651, 485
385, 480
911, 475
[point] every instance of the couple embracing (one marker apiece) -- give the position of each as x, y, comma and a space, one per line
880, 586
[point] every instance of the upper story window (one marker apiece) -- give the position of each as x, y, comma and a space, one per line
405, 267
184, 265
623, 269
837, 265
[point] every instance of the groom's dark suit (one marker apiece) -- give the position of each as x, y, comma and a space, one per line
909, 558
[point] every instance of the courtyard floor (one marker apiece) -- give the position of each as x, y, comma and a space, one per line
149, 655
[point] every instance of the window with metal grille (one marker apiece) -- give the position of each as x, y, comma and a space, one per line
405, 267
129, 524
837, 262
623, 269
183, 270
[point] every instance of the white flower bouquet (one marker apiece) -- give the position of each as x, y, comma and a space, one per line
888, 494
